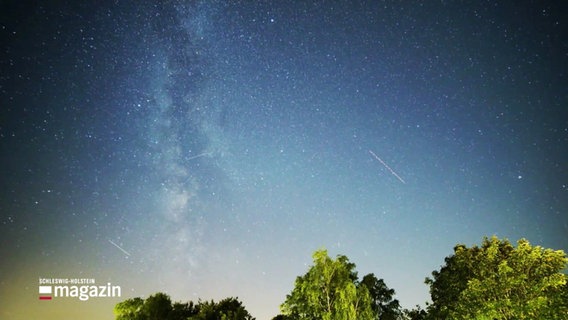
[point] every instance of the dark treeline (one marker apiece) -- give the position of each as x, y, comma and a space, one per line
160, 307
495, 280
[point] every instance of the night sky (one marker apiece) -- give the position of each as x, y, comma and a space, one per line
206, 149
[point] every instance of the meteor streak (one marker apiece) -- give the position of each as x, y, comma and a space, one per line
386, 166
119, 248
199, 155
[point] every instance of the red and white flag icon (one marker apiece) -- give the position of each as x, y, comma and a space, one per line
44, 292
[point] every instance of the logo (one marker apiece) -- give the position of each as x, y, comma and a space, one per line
82, 289
45, 293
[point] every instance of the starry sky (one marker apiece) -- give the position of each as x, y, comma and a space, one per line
206, 148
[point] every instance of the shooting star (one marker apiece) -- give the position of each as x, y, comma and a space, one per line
119, 248
386, 166
199, 155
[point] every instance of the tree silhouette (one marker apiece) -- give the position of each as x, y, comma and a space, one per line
159, 307
415, 314
382, 301
226, 309
183, 310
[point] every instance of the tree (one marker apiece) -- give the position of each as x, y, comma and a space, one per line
182, 311
226, 309
382, 301
155, 307
159, 307
233, 309
129, 309
415, 314
328, 291
500, 281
